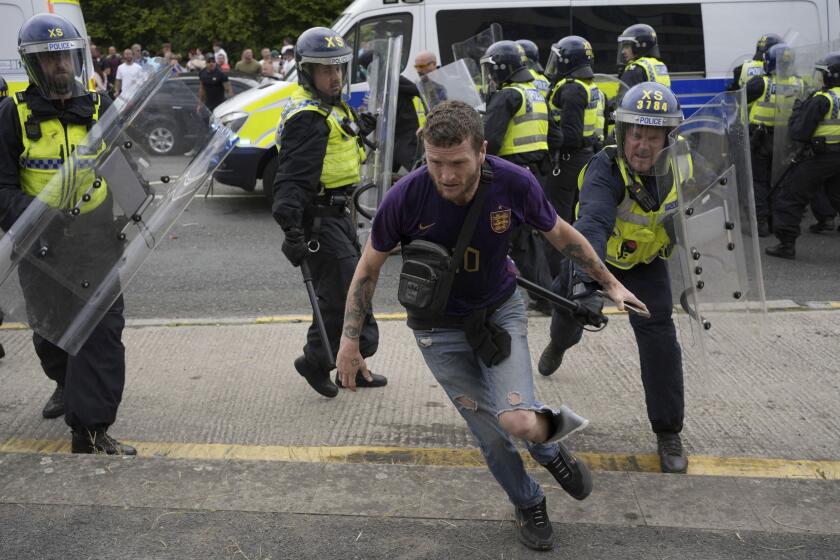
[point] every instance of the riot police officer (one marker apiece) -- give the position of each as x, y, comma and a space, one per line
4, 88
320, 153
754, 66
37, 132
764, 107
815, 130
638, 57
619, 200
410, 116
576, 127
516, 128
532, 52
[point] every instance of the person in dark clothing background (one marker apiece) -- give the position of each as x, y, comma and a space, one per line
214, 86
411, 116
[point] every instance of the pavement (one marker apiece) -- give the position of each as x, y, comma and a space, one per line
239, 458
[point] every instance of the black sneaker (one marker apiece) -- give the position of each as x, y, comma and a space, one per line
572, 473
534, 527
672, 458
55, 405
550, 359
97, 441
377, 381
318, 379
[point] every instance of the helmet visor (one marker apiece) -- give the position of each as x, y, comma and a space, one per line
57, 68
553, 66
330, 80
641, 146
488, 77
818, 78
626, 50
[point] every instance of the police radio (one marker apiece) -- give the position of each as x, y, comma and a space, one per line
642, 197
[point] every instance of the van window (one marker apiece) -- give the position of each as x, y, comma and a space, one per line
360, 36
679, 30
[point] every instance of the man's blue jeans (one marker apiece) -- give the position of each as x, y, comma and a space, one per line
482, 393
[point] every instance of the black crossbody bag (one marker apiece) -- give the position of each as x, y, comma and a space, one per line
428, 268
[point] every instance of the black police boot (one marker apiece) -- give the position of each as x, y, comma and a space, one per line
97, 441
318, 379
822, 225
377, 380
784, 250
672, 458
534, 527
572, 473
763, 228
550, 359
55, 405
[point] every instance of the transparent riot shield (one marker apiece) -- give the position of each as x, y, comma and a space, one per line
453, 81
613, 90
793, 82
714, 257
383, 82
740, 60
110, 202
471, 50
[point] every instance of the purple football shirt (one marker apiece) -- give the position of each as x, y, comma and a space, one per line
413, 209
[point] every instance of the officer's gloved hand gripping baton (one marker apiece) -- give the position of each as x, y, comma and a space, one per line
589, 317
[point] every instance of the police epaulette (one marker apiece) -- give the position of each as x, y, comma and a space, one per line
612, 151
20, 97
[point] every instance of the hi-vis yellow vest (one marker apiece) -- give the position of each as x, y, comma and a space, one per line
749, 69
420, 109
767, 110
527, 131
638, 237
540, 81
344, 157
829, 127
45, 157
654, 68
593, 115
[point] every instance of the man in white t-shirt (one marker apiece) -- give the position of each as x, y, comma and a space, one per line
129, 75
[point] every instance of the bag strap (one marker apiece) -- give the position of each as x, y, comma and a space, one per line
468, 228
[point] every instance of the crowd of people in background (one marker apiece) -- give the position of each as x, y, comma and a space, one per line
118, 72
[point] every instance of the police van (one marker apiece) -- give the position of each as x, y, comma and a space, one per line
700, 41
12, 16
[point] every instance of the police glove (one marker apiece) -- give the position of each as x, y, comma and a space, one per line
590, 305
367, 123
294, 245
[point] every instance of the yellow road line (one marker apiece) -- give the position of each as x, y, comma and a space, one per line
752, 467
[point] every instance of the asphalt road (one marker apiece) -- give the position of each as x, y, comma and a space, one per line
223, 259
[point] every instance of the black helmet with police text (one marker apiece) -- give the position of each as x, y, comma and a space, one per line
640, 39
54, 53
647, 105
571, 56
532, 52
778, 59
764, 43
504, 61
827, 70
4, 87
323, 46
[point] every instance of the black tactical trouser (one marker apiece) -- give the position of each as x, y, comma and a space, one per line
761, 156
798, 189
821, 206
660, 355
332, 268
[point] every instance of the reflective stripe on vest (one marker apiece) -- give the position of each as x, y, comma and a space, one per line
541, 82
420, 109
344, 156
654, 68
593, 115
829, 127
60, 151
749, 69
767, 110
527, 131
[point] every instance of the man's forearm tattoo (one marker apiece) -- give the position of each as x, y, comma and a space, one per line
592, 266
357, 306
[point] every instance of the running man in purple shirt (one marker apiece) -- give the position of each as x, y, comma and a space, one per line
497, 401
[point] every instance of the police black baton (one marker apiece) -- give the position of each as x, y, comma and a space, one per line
357, 205
316, 312
597, 320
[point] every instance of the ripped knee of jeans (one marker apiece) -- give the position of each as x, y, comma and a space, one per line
514, 398
467, 403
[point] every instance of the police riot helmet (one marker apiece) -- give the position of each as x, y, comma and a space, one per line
641, 39
778, 60
4, 87
504, 61
532, 51
764, 43
54, 53
645, 106
827, 70
571, 56
323, 46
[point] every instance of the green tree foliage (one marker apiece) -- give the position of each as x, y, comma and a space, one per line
196, 23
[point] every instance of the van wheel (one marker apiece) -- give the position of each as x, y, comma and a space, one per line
269, 172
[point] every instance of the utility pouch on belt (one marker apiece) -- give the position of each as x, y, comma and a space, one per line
428, 268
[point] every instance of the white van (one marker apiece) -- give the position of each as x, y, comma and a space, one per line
12, 15
700, 41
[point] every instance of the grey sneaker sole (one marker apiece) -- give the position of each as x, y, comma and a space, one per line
567, 422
